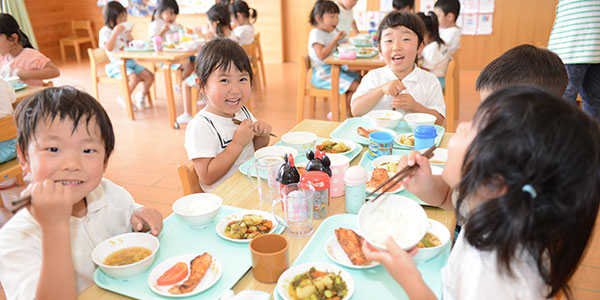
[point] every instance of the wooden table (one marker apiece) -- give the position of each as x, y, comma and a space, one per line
237, 191
167, 58
24, 93
355, 64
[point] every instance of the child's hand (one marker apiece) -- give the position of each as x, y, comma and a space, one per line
150, 216
120, 27
405, 102
244, 134
396, 261
51, 203
393, 88
339, 35
419, 179
261, 128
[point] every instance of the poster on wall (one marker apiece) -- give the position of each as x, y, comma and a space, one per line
476, 16
138, 8
191, 7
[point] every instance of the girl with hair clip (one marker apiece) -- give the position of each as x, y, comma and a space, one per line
163, 19
241, 15
435, 57
528, 190
18, 58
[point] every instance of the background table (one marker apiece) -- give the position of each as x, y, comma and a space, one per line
237, 191
24, 93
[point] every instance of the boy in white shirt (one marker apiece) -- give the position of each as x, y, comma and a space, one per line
400, 85
447, 12
346, 22
65, 139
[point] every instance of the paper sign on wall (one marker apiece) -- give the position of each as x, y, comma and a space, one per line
484, 24
427, 5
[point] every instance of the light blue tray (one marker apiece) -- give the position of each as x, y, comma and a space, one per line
374, 283
245, 167
19, 86
347, 131
176, 239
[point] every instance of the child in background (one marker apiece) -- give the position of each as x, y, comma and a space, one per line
400, 84
405, 6
115, 36
241, 15
163, 19
528, 189
215, 145
447, 12
435, 53
8, 149
346, 17
322, 41
65, 139
18, 58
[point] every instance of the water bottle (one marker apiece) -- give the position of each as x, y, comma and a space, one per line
356, 188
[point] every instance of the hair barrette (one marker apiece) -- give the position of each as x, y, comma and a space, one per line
529, 189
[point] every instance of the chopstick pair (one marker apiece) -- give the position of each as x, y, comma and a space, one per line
406, 171
20, 203
238, 122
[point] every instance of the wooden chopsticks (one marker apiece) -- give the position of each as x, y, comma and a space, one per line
20, 203
238, 122
391, 182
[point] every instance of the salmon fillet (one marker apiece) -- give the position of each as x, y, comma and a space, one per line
378, 177
198, 268
351, 243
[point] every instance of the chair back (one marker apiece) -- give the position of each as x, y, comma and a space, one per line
8, 129
189, 179
452, 93
85, 26
258, 47
251, 52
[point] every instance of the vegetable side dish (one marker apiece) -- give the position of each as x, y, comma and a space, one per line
317, 285
249, 227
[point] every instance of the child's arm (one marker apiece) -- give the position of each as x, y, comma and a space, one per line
150, 216
110, 44
363, 104
430, 188
261, 131
324, 51
49, 71
408, 103
211, 169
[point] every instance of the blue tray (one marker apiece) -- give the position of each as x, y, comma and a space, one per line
347, 131
373, 283
19, 86
176, 239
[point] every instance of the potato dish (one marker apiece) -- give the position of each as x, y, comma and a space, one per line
332, 147
429, 240
407, 140
249, 227
317, 285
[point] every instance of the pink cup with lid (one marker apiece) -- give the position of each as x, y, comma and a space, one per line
339, 165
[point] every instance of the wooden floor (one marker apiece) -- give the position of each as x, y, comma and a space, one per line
148, 150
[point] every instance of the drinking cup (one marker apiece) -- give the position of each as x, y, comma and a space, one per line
265, 169
269, 257
297, 206
137, 44
380, 144
127, 25
339, 165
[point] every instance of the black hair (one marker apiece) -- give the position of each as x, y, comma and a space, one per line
525, 64
528, 136
397, 19
219, 13
165, 5
68, 104
111, 13
322, 7
401, 4
449, 6
431, 26
10, 26
221, 53
240, 6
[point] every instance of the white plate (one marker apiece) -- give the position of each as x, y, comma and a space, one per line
211, 277
440, 156
335, 252
352, 145
287, 277
397, 140
238, 215
366, 140
435, 170
276, 151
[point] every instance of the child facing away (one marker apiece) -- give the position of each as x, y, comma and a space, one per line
435, 53
215, 145
8, 149
65, 139
163, 19
322, 41
346, 17
447, 12
114, 36
243, 17
401, 84
406, 6
18, 58
528, 189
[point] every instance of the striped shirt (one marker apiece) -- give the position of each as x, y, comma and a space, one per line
575, 35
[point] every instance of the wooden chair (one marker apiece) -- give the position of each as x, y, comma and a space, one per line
78, 39
11, 168
260, 59
252, 50
305, 88
451, 94
189, 179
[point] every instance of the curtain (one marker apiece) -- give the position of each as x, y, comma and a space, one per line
18, 10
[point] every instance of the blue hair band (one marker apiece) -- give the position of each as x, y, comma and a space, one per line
529, 189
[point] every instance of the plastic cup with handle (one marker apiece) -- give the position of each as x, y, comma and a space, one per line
127, 25
297, 206
265, 170
137, 44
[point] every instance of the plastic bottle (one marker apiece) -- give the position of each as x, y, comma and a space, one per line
424, 137
356, 188
157, 43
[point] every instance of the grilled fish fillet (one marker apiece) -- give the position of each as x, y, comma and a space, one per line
198, 268
351, 243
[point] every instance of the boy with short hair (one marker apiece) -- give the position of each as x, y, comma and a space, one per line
406, 6
447, 12
64, 139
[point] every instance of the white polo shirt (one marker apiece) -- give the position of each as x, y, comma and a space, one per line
109, 208
422, 85
245, 34
451, 37
436, 58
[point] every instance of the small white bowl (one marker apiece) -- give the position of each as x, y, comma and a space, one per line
376, 163
383, 218
300, 140
441, 231
360, 40
416, 119
275, 151
385, 118
345, 48
122, 241
197, 210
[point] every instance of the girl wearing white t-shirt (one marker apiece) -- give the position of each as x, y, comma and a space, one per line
241, 15
163, 19
435, 56
528, 190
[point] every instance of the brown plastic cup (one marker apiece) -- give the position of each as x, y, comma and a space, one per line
269, 257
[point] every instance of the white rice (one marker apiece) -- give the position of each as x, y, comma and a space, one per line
403, 224
197, 207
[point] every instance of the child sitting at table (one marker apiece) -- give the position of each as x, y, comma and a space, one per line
114, 36
528, 189
65, 139
241, 15
401, 84
346, 21
447, 12
214, 143
435, 53
18, 58
163, 19
8, 149
406, 6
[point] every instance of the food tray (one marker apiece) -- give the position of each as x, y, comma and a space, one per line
347, 131
373, 283
176, 239
19, 86
302, 158
145, 49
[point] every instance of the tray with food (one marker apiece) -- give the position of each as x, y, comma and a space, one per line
370, 283
188, 262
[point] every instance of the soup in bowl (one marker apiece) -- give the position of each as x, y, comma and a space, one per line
127, 255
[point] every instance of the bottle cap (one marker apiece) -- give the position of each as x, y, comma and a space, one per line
356, 175
425, 132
